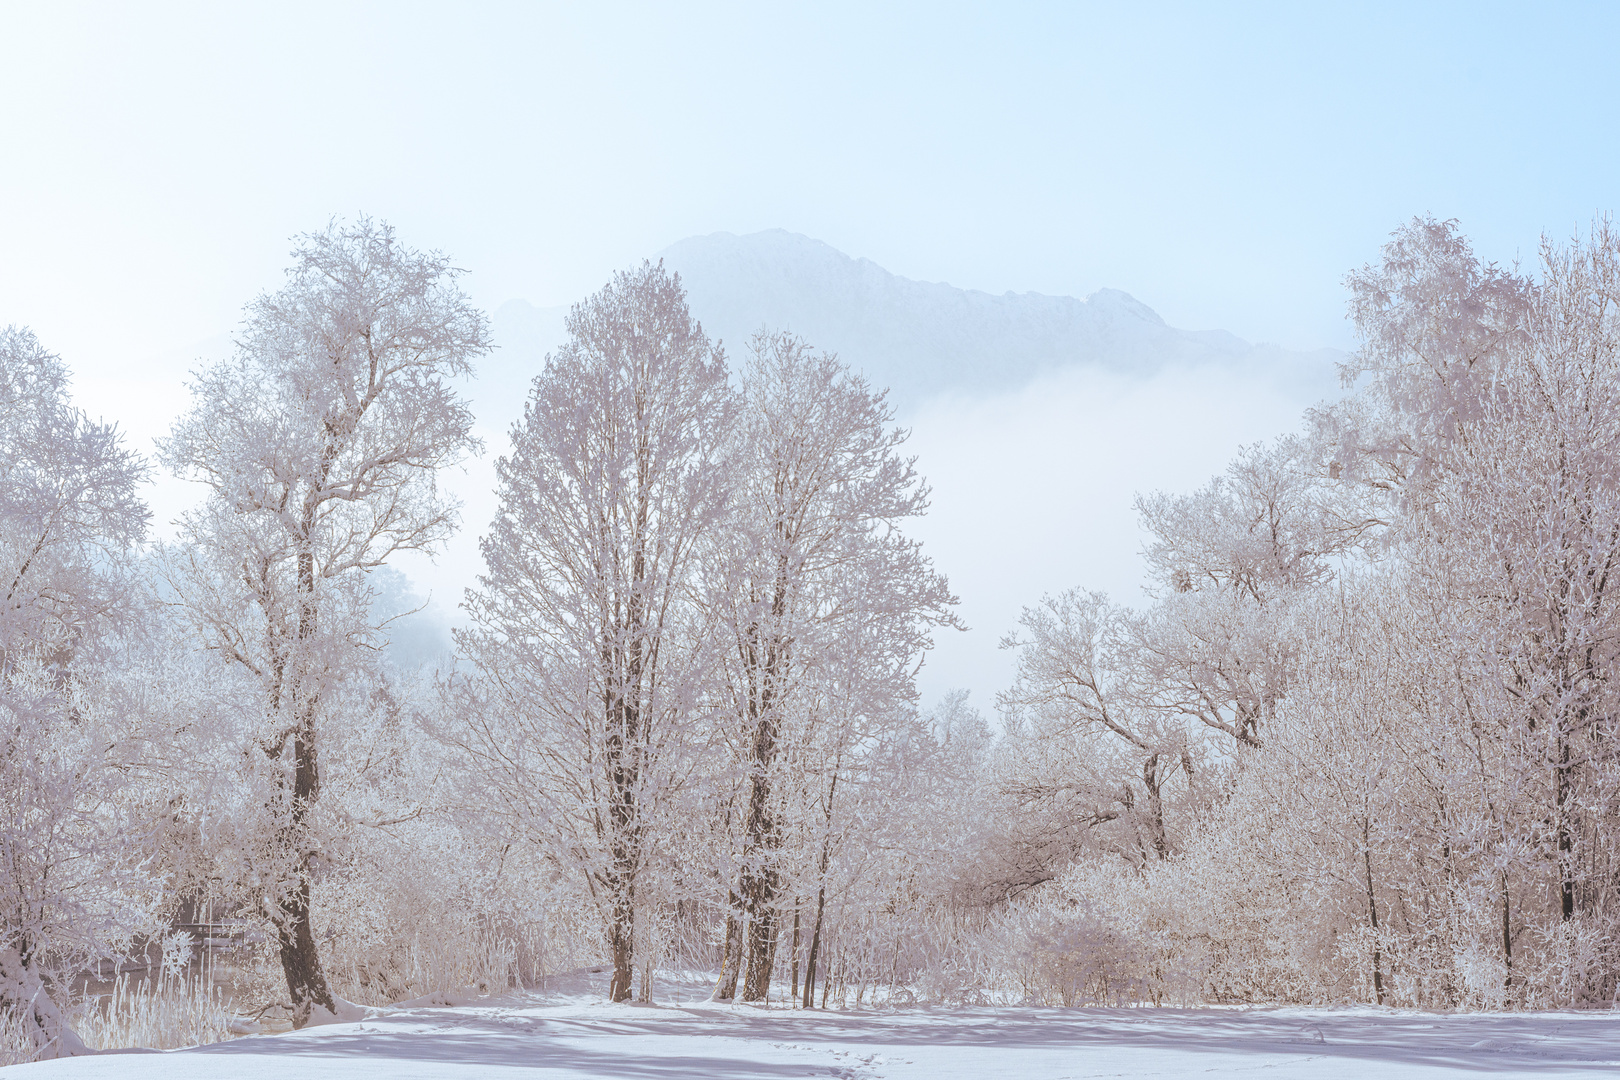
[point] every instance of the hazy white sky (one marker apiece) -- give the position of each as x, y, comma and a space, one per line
1226, 164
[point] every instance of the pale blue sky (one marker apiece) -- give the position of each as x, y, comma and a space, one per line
1227, 164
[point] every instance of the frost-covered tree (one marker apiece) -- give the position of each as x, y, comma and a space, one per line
1432, 776
593, 656
71, 881
318, 442
1095, 745
811, 571
1226, 564
67, 505
1494, 400
1492, 416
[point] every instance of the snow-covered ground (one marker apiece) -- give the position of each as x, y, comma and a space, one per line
571, 1034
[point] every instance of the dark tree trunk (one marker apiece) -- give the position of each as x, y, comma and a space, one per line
621, 930
814, 956
761, 948
1507, 936
621, 879
1150, 778
1566, 839
300, 962
621, 940
1372, 913
793, 977
295, 937
625, 695
725, 988
761, 884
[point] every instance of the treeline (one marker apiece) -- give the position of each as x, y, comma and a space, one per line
684, 700
1358, 746
1363, 744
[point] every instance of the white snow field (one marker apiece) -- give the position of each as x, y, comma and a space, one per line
575, 1035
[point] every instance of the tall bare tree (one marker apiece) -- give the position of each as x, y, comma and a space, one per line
814, 551
592, 654
318, 441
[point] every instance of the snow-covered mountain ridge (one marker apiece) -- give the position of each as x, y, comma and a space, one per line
923, 338
918, 338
